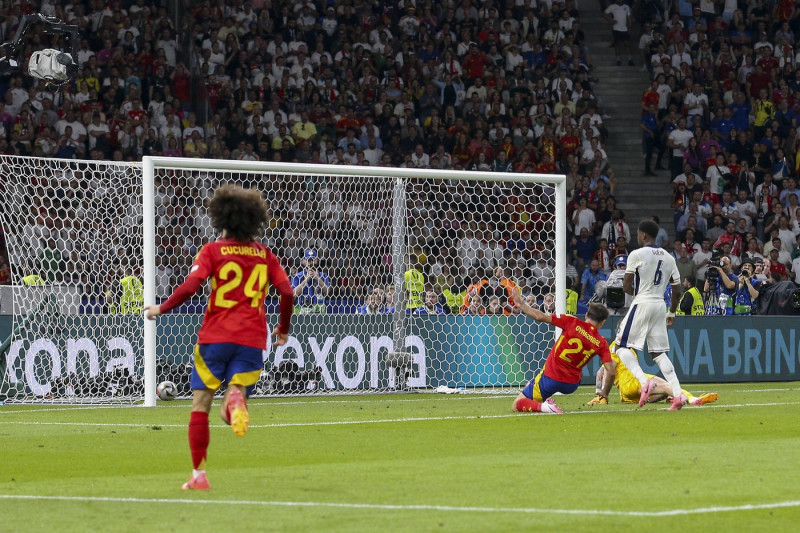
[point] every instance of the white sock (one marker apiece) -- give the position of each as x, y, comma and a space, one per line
630, 361
665, 365
598, 381
196, 473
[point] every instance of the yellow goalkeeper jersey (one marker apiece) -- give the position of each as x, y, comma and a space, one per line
629, 387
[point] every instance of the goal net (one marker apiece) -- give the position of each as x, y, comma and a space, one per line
73, 230
412, 292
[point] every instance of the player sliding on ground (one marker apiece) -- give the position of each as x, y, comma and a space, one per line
579, 342
630, 389
234, 330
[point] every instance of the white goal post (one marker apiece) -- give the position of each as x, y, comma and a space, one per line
387, 238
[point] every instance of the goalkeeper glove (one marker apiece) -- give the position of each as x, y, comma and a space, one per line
598, 399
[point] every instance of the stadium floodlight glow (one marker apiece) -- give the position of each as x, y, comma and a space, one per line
367, 226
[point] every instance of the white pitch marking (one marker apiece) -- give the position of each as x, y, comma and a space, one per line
400, 507
266, 402
386, 420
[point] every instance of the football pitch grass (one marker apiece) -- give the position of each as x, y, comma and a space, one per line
411, 462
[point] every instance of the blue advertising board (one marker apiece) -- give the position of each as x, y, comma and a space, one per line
456, 351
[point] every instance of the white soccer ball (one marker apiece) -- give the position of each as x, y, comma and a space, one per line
166, 391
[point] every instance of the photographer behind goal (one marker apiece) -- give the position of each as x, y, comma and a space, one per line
727, 293
720, 285
747, 290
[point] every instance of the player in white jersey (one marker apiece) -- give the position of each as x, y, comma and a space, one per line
650, 269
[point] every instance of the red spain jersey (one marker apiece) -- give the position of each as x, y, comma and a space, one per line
578, 343
240, 276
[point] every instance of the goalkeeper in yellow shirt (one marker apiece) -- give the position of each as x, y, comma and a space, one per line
630, 388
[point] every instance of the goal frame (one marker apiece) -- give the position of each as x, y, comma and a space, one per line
149, 165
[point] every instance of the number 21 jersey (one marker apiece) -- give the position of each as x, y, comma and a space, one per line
578, 343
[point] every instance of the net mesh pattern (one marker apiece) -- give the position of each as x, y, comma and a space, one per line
73, 232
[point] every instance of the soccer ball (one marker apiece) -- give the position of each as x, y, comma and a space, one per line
166, 391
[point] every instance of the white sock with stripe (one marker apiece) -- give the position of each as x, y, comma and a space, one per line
665, 365
632, 363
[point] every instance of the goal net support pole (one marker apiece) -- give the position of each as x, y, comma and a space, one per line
149, 281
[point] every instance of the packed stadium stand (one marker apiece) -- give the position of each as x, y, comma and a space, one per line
479, 85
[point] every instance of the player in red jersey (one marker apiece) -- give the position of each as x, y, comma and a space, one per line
233, 335
579, 342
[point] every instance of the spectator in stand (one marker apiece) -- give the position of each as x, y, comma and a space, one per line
678, 141
583, 217
604, 256
590, 277
701, 259
431, 305
685, 263
583, 249
615, 228
371, 305
252, 46
619, 14
5, 271
662, 239
650, 138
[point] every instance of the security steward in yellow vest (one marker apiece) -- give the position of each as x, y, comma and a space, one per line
414, 282
33, 280
127, 297
692, 300
572, 299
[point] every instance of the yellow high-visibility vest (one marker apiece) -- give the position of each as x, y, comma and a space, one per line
572, 302
33, 280
698, 309
415, 288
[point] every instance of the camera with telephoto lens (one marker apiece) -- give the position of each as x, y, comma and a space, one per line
715, 261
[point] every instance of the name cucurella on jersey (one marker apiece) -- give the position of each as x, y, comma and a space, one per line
242, 250
587, 336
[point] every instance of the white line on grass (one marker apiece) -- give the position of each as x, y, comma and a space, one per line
317, 400
400, 507
382, 420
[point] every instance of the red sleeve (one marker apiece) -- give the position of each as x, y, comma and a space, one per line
287, 305
200, 271
279, 280
603, 351
202, 266
184, 291
560, 321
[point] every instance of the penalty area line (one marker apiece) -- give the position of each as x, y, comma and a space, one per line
401, 507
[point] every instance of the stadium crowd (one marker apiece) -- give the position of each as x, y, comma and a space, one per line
721, 115
493, 86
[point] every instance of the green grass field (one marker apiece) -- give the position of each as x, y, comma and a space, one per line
415, 462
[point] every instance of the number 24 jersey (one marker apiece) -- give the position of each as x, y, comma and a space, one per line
240, 277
